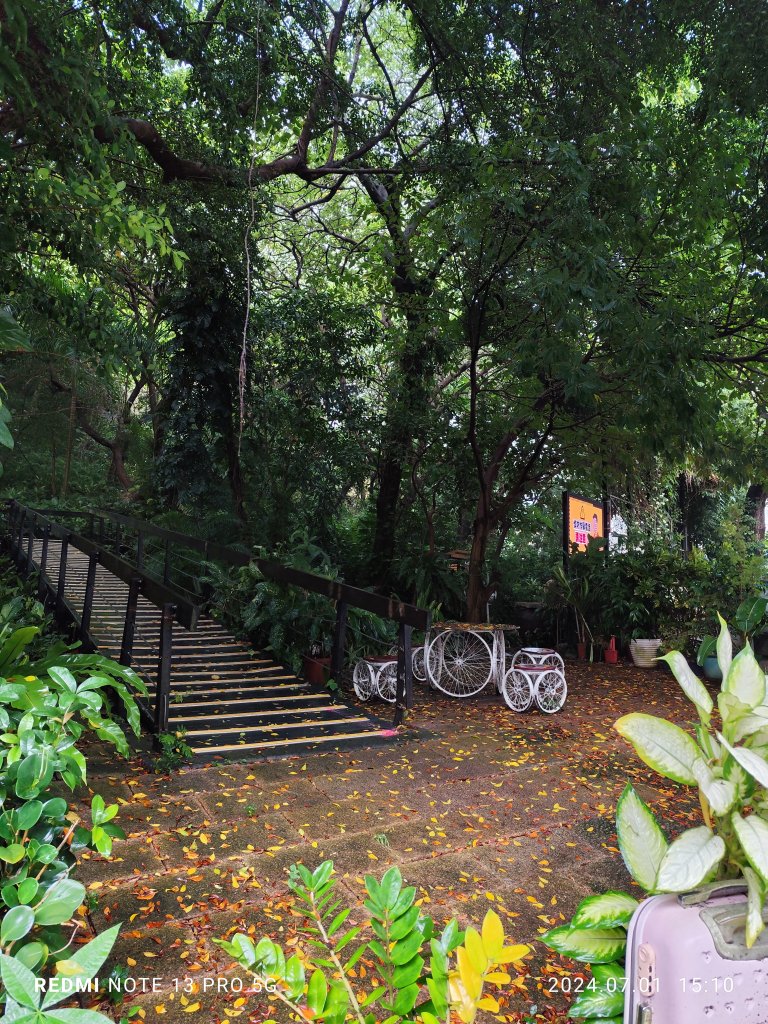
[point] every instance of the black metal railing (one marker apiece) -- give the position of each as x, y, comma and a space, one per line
25, 525
133, 540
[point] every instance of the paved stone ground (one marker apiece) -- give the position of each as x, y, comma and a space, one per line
490, 809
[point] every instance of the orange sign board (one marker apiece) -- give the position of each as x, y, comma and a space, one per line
585, 519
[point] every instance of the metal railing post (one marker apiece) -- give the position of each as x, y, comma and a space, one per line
44, 558
404, 693
163, 688
31, 544
62, 575
90, 585
129, 626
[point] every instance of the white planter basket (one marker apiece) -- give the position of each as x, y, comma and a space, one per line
644, 652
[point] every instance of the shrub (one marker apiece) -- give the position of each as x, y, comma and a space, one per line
289, 621
51, 699
422, 972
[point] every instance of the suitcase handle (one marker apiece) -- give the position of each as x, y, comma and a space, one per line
732, 887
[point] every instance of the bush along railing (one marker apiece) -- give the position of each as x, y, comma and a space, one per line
425, 974
46, 707
729, 766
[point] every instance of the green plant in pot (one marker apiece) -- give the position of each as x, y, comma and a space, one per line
749, 619
727, 761
573, 592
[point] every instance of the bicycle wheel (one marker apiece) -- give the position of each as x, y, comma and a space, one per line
363, 681
551, 691
517, 690
419, 664
386, 682
459, 662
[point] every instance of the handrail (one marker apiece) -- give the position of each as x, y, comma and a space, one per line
407, 616
386, 607
158, 594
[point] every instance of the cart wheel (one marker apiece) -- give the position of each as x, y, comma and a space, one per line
459, 662
551, 691
363, 680
419, 664
517, 690
386, 682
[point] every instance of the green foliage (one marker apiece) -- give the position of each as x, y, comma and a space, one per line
654, 589
50, 701
417, 977
174, 751
287, 620
730, 769
46, 711
750, 621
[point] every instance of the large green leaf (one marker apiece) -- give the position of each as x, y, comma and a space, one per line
745, 679
690, 860
641, 841
750, 613
724, 647
689, 682
13, 337
591, 945
84, 963
598, 1003
316, 993
662, 745
16, 924
752, 763
14, 645
608, 910
19, 982
756, 892
752, 833
35, 773
60, 902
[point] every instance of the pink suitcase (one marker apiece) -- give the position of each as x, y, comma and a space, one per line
687, 961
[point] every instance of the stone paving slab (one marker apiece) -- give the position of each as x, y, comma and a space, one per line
490, 810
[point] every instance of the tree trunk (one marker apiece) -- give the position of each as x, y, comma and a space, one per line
117, 470
477, 591
754, 506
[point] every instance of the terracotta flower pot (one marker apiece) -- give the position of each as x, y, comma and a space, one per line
317, 670
611, 655
581, 652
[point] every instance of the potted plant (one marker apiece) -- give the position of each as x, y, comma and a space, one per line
611, 653
644, 651
573, 592
749, 619
316, 665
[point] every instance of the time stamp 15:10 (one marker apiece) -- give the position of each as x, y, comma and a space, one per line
648, 987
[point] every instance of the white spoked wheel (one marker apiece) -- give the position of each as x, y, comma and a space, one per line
363, 680
420, 664
550, 691
517, 690
386, 681
459, 662
538, 656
